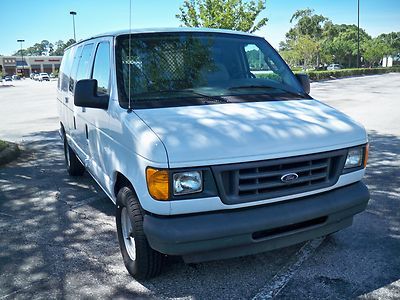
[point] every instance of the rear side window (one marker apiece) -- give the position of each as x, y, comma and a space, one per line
77, 56
84, 63
65, 69
101, 68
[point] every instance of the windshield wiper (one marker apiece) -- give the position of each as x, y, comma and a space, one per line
265, 87
163, 92
187, 91
251, 87
215, 99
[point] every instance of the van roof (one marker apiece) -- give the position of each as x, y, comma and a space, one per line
162, 30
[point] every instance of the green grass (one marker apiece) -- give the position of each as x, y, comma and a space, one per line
3, 145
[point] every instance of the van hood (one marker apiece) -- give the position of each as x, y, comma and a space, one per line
238, 132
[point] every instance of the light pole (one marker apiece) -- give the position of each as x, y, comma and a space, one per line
73, 13
22, 57
358, 33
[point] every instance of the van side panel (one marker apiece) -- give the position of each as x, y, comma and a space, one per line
62, 99
113, 140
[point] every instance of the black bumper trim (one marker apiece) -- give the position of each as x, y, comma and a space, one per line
225, 234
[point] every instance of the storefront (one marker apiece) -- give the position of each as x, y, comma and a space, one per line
11, 65
22, 68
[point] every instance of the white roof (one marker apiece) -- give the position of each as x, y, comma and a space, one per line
165, 30
172, 29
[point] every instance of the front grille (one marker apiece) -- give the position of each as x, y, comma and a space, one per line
260, 180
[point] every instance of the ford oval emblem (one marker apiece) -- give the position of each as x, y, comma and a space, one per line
287, 178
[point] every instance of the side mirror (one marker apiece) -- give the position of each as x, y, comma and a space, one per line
304, 81
85, 95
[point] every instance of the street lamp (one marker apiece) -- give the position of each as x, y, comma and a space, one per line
73, 13
22, 57
358, 33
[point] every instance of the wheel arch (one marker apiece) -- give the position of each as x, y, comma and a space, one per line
62, 130
120, 181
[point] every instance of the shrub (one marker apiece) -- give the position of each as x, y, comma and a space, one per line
3, 145
320, 75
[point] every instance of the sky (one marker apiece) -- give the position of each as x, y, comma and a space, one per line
50, 20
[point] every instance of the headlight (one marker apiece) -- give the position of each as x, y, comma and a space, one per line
354, 157
187, 182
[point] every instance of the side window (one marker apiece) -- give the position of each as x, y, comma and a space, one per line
259, 64
101, 68
65, 69
77, 56
84, 63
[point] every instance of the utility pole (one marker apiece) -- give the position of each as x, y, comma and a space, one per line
22, 57
358, 33
73, 13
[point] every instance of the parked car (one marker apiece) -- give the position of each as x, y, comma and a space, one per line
334, 67
202, 158
32, 75
15, 77
7, 78
43, 76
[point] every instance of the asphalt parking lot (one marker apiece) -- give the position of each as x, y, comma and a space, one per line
58, 236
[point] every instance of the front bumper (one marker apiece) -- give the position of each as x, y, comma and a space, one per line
225, 234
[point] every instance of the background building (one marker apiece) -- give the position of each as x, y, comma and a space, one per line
11, 65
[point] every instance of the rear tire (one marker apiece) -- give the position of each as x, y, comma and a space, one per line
74, 166
141, 261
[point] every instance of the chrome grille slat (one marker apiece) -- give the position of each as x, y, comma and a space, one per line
276, 173
259, 180
261, 186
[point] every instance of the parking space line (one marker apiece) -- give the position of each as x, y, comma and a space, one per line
281, 279
15, 292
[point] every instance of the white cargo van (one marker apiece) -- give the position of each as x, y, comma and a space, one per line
208, 144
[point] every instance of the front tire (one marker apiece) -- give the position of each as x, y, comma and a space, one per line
74, 166
141, 261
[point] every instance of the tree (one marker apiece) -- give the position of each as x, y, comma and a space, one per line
291, 57
391, 39
37, 49
60, 46
45, 48
226, 14
70, 42
340, 43
375, 50
306, 49
309, 27
308, 23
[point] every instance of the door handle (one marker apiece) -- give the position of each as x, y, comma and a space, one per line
66, 99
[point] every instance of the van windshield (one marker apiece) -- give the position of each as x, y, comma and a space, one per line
193, 68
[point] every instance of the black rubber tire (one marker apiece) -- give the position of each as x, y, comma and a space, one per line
148, 262
74, 166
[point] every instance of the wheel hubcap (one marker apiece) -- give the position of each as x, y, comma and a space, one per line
127, 229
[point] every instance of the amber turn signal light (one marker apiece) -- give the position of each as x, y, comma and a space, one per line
158, 183
366, 155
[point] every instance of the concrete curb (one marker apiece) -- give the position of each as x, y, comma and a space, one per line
10, 153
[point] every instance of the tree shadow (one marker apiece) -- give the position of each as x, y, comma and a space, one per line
58, 237
48, 233
363, 258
